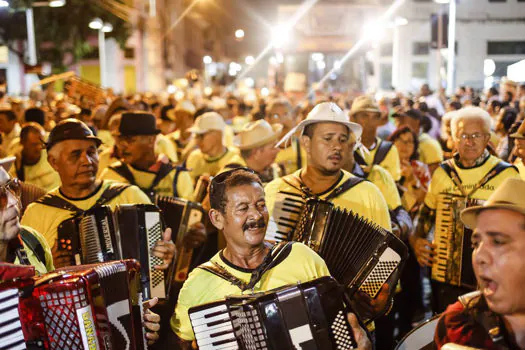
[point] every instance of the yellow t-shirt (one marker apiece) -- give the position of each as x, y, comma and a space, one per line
273, 173
41, 174
46, 219
390, 163
33, 260
144, 179
442, 183
105, 159
301, 265
518, 163
107, 139
430, 151
200, 164
287, 157
364, 198
163, 145
386, 184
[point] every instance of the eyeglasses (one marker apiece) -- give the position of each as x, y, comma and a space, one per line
474, 137
12, 186
225, 175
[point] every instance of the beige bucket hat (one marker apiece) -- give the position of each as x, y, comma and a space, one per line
256, 134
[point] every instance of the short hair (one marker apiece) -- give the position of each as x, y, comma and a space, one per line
11, 116
405, 129
36, 115
470, 113
218, 190
456, 105
278, 103
509, 117
494, 91
28, 128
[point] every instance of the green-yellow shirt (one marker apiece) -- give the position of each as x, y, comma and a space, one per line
390, 163
301, 265
31, 256
442, 183
287, 157
386, 184
518, 163
200, 164
144, 179
364, 198
46, 219
430, 151
41, 174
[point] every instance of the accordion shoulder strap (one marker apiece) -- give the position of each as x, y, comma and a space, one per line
298, 153
382, 150
123, 170
34, 245
345, 186
276, 255
111, 192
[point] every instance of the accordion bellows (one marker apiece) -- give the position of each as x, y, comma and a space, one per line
359, 254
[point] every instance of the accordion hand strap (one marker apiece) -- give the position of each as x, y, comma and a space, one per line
269, 261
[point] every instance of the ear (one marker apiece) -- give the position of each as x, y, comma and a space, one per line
52, 161
307, 143
217, 219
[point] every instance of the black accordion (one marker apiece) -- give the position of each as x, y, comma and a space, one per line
180, 214
81, 307
99, 235
311, 315
358, 253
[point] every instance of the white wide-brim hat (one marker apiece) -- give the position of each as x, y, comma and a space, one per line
324, 112
257, 134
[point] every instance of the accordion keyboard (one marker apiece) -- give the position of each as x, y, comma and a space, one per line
443, 237
10, 326
213, 328
154, 234
285, 216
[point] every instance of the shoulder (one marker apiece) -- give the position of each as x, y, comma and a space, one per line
130, 195
276, 184
194, 156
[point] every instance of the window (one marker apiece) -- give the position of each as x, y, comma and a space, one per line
420, 70
386, 76
386, 50
420, 48
506, 48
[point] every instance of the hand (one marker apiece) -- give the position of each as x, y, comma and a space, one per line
151, 321
368, 307
165, 250
363, 343
61, 258
195, 236
406, 169
10, 223
424, 251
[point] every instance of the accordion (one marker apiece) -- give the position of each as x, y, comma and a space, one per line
285, 216
100, 235
358, 253
309, 315
82, 307
179, 215
453, 263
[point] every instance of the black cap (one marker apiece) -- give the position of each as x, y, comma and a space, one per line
35, 115
137, 123
70, 129
411, 113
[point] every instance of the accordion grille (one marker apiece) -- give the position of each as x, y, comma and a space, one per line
248, 326
90, 241
155, 235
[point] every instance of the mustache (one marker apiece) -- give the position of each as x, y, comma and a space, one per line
254, 224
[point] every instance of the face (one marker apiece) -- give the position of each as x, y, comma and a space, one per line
266, 155
76, 163
405, 145
32, 147
6, 125
471, 140
135, 148
520, 147
368, 120
208, 141
280, 114
499, 243
11, 201
166, 126
245, 218
328, 146
183, 119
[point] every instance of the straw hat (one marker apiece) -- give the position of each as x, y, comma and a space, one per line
324, 112
256, 134
509, 195
364, 104
207, 122
520, 133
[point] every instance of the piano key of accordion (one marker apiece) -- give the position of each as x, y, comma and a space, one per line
285, 216
11, 334
212, 326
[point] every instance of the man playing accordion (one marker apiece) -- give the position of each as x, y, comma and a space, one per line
469, 177
248, 263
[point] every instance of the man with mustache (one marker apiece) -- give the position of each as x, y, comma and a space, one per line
248, 262
493, 316
72, 152
472, 173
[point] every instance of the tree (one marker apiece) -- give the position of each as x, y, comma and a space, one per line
62, 34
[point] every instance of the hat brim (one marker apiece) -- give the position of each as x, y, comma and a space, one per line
277, 129
355, 128
197, 131
470, 215
7, 163
153, 132
517, 135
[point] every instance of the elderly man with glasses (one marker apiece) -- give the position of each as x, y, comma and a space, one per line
472, 175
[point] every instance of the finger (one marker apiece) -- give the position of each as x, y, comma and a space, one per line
151, 317
150, 303
161, 267
152, 326
166, 236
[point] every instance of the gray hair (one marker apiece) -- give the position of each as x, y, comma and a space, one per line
55, 150
470, 113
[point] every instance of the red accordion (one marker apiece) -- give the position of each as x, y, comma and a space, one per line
81, 307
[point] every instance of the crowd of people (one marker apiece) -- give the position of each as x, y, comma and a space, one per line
394, 161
